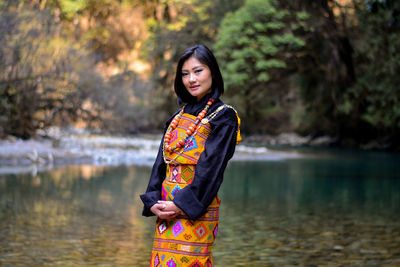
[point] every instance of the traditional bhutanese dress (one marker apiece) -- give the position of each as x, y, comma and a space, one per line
191, 179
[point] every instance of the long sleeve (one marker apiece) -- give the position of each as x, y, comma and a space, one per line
153, 192
219, 149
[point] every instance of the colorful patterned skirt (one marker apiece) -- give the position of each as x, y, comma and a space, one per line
181, 241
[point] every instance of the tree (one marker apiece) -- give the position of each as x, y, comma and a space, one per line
108, 27
257, 46
37, 83
327, 68
48, 76
372, 103
349, 80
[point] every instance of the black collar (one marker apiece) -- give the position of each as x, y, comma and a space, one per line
194, 108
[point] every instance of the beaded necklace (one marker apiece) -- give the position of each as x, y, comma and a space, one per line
181, 143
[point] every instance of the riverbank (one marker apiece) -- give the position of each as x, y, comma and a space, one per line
56, 147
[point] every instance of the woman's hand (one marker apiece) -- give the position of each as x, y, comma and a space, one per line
161, 211
170, 206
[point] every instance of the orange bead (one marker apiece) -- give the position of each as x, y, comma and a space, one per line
191, 128
189, 132
204, 112
178, 145
181, 142
209, 103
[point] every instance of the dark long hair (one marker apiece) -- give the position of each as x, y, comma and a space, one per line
205, 56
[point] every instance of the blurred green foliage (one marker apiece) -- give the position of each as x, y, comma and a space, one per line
374, 98
348, 82
257, 49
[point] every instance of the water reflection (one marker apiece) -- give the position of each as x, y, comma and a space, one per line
339, 210
74, 215
312, 186
318, 212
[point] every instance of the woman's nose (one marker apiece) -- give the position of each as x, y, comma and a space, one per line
192, 77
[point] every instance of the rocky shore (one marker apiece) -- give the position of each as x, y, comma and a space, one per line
289, 139
43, 153
57, 146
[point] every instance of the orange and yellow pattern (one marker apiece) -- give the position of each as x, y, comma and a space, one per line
194, 145
181, 241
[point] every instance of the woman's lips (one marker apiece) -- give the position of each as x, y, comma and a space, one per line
194, 87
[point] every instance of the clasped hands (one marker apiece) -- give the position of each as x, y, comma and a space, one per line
166, 210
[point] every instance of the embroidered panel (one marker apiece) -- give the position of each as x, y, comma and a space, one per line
194, 145
181, 174
181, 241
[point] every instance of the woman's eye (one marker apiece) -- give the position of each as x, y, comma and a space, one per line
184, 74
198, 71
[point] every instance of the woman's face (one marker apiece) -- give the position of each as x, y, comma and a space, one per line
196, 77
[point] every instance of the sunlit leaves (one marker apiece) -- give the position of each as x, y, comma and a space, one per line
269, 64
40, 73
71, 7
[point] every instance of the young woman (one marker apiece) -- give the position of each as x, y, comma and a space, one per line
199, 140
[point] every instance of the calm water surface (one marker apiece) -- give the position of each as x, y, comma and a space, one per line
327, 209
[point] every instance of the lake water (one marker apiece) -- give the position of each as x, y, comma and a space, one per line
328, 208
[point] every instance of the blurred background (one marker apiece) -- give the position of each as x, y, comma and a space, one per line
86, 86
315, 68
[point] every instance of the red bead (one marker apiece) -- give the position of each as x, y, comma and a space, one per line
178, 145
168, 148
209, 103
